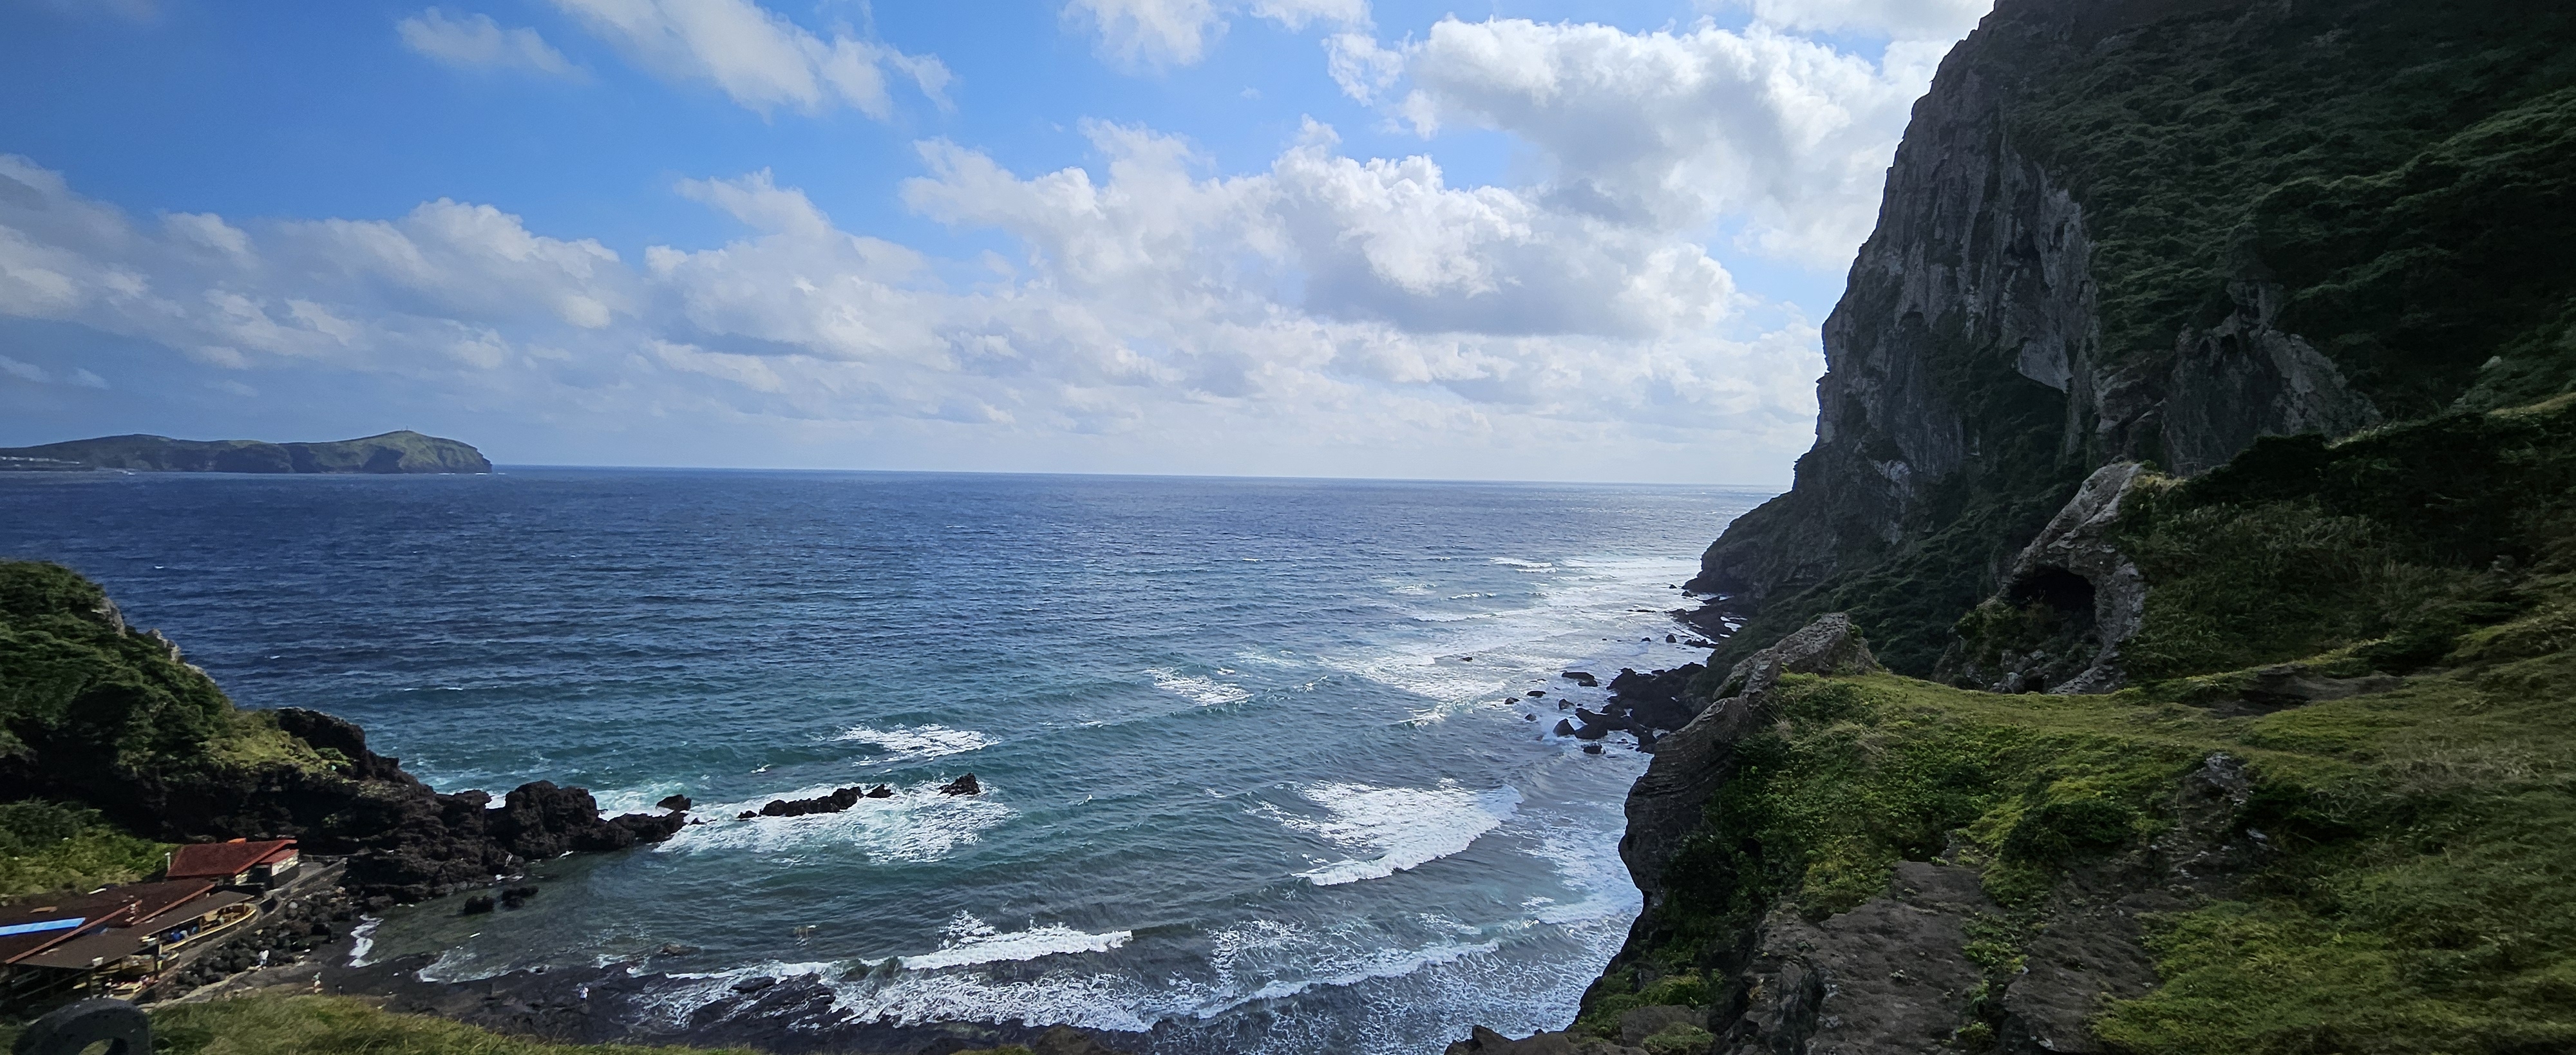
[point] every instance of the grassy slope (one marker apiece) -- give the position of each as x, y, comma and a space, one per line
2426, 898
80, 691
2407, 171
47, 847
325, 1025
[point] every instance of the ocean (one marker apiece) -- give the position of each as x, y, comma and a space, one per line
1261, 769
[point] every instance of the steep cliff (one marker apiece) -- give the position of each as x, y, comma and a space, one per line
390, 453
2204, 410
2155, 230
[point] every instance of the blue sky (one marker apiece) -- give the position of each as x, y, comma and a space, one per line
1303, 237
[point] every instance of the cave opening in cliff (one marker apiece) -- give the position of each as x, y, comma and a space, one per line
2068, 595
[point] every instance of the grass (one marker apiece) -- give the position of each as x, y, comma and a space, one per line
47, 847
330, 1025
83, 699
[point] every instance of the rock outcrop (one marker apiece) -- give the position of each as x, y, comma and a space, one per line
115, 719
1689, 764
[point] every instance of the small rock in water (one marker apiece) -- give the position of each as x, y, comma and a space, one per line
881, 792
1529, 717
747, 815
754, 984
1564, 728
476, 905
1671, 639
1535, 692
517, 895
1591, 749
675, 949
675, 803
1466, 659
964, 785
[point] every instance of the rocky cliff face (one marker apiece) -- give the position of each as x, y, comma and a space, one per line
2106, 237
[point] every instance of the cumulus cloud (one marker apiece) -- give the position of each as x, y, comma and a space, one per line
759, 58
1157, 33
1324, 300
1673, 130
477, 42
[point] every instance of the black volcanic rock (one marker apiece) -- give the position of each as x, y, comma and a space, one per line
674, 803
965, 785
838, 800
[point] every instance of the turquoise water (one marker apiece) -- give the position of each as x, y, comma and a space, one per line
1261, 774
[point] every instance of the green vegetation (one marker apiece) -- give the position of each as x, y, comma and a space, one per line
2394, 543
326, 1025
84, 690
46, 847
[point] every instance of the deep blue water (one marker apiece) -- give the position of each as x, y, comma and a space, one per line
1243, 777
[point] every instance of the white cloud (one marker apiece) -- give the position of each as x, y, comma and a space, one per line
759, 58
1941, 20
1158, 33
1673, 130
1296, 15
475, 41
1362, 305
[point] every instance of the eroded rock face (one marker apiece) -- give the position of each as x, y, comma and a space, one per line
1892, 975
1692, 761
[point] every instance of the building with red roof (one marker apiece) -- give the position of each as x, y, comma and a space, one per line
240, 863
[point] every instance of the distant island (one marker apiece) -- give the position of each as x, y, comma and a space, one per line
393, 452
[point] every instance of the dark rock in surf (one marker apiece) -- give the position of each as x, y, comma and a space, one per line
754, 984
1564, 728
965, 785
881, 791
674, 803
476, 905
517, 896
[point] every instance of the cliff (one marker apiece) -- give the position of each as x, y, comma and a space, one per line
100, 722
392, 452
2155, 230
2203, 413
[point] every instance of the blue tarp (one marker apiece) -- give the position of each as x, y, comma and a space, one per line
39, 928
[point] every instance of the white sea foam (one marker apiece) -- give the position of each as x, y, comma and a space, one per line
918, 742
1208, 692
363, 939
917, 824
972, 941
1523, 565
1401, 827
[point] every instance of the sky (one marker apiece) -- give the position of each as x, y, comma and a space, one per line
1338, 238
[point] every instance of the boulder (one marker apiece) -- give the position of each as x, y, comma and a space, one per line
881, 791
965, 785
674, 803
476, 905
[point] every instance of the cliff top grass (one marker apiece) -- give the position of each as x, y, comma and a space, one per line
2423, 899
48, 846
328, 1025
78, 686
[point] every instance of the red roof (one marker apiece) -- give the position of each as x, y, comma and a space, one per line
225, 860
